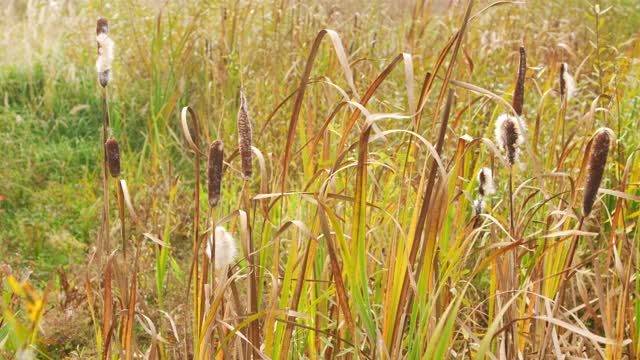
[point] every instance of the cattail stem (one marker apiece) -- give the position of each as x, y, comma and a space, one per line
196, 235
123, 230
193, 272
254, 335
212, 221
105, 246
202, 299
511, 214
512, 269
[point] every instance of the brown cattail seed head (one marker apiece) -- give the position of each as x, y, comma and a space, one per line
518, 92
597, 162
214, 171
102, 26
244, 138
509, 136
113, 157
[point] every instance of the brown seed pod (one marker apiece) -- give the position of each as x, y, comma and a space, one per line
244, 138
102, 26
113, 157
518, 92
597, 163
214, 172
563, 84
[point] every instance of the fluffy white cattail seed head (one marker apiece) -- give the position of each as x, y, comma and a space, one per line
105, 52
509, 136
485, 182
226, 250
567, 82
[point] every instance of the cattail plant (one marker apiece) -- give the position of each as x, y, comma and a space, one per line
111, 160
103, 67
597, 162
244, 138
214, 172
509, 132
113, 157
509, 137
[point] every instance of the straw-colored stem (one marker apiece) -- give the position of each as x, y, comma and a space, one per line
511, 314
512, 226
105, 175
563, 115
198, 314
253, 280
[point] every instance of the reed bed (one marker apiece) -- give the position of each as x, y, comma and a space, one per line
433, 182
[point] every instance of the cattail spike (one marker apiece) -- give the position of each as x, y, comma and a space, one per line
509, 136
244, 138
518, 92
214, 172
597, 163
113, 157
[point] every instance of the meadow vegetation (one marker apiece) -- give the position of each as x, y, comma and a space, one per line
411, 179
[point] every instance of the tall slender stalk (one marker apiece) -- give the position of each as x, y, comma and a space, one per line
105, 245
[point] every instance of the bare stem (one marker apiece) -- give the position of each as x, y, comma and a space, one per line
513, 229
512, 270
105, 246
254, 335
